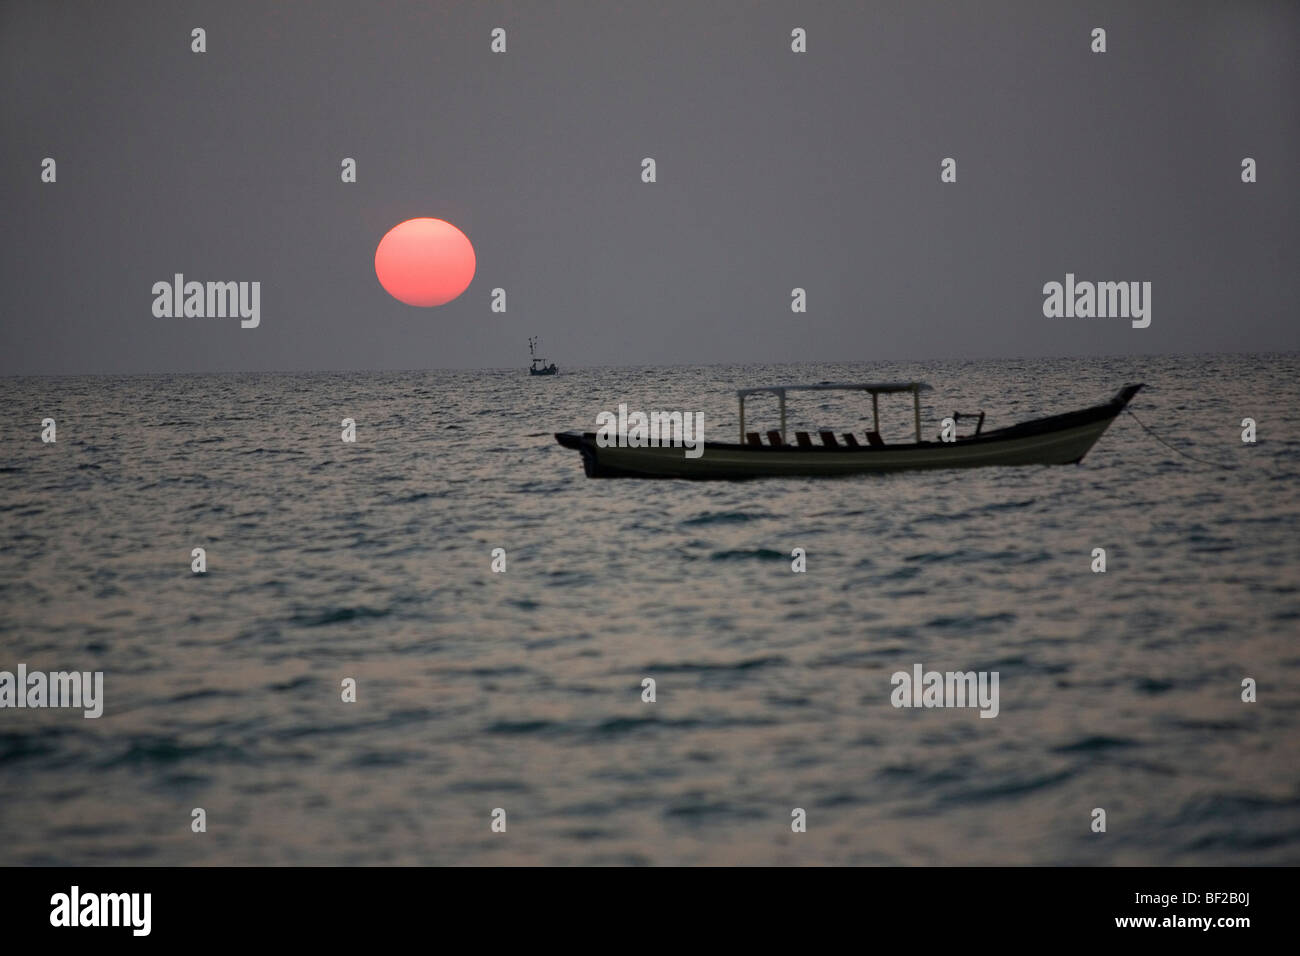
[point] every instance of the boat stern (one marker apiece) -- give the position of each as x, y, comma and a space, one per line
586, 445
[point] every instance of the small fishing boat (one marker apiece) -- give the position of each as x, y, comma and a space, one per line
1054, 440
539, 366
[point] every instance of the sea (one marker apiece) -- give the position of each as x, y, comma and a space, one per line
503, 716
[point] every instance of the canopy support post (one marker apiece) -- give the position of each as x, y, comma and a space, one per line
916, 406
781, 398
742, 419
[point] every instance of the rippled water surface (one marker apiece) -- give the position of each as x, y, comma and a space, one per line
522, 690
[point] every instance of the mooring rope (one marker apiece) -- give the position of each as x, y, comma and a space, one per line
1203, 461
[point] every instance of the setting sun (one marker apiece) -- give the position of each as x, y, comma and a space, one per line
425, 262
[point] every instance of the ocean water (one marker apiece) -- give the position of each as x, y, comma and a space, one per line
522, 690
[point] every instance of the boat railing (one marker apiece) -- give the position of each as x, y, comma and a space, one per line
979, 424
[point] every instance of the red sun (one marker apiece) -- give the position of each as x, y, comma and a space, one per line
424, 262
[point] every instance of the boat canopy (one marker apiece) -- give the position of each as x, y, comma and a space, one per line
875, 388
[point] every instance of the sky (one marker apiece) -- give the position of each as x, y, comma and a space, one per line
775, 170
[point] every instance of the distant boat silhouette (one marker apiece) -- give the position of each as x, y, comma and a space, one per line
539, 366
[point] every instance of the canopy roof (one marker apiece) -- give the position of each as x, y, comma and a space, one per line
875, 388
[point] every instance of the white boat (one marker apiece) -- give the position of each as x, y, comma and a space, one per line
1054, 440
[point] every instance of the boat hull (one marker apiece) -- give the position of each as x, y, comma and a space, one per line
1056, 440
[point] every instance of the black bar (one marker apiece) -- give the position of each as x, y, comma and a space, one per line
974, 906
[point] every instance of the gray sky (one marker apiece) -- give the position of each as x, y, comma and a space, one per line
775, 170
